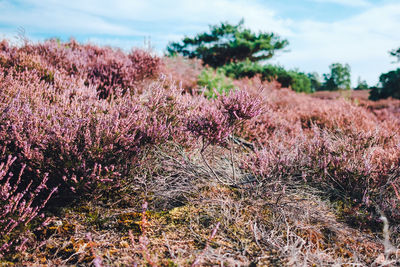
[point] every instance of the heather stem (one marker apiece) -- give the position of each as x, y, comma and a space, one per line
232, 161
208, 165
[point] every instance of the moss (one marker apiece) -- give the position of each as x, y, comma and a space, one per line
96, 218
169, 263
48, 76
130, 221
179, 215
356, 215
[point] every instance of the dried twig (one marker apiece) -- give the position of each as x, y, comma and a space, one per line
143, 239
213, 233
97, 262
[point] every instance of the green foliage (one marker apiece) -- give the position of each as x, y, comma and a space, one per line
315, 80
247, 68
298, 81
236, 51
390, 86
389, 82
227, 43
214, 79
396, 53
361, 85
339, 78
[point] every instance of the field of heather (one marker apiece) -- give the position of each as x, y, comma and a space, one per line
116, 158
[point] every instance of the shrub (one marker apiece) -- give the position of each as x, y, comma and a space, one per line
338, 78
20, 204
362, 171
214, 80
240, 106
79, 140
333, 145
298, 81
211, 125
216, 121
390, 86
183, 71
60, 133
105, 68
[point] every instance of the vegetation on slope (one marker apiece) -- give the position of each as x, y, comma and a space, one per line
120, 159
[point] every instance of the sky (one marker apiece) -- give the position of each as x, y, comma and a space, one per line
320, 32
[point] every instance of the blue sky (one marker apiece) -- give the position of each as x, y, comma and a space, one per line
320, 32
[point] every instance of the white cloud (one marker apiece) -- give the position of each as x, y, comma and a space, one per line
363, 41
137, 18
132, 17
356, 3
47, 18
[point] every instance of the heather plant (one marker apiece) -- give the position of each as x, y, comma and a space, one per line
105, 68
19, 205
240, 106
345, 167
54, 122
183, 71
215, 122
72, 135
115, 70
338, 147
211, 125
169, 106
261, 146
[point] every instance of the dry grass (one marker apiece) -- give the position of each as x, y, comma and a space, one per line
353, 94
162, 176
271, 224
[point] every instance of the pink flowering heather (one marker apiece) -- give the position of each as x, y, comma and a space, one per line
333, 145
183, 72
17, 206
62, 128
239, 105
211, 125
82, 118
105, 68
217, 119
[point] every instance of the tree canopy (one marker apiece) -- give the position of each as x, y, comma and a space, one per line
395, 53
361, 84
227, 43
339, 78
315, 81
390, 86
389, 82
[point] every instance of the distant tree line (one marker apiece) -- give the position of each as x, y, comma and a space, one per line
232, 51
236, 52
389, 83
227, 43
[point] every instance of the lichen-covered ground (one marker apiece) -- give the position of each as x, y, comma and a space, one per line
191, 217
116, 159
